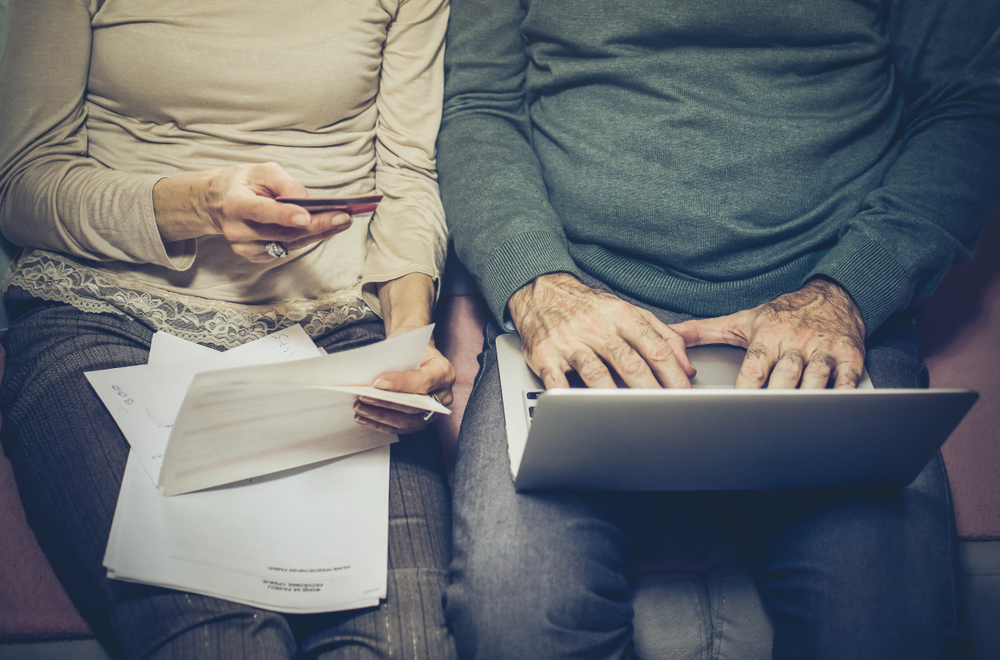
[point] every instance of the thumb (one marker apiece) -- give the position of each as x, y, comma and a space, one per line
698, 332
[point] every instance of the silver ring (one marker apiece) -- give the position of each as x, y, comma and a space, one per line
276, 250
430, 414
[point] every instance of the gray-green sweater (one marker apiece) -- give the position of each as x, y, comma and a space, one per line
706, 155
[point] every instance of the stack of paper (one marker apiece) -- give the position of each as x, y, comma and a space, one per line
310, 538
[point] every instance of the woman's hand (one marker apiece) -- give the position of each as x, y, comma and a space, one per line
435, 376
238, 202
407, 303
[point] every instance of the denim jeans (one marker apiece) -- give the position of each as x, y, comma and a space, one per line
847, 574
69, 456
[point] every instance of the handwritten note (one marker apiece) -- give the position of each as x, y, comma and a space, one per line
145, 399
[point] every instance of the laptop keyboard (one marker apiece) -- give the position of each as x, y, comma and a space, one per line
530, 400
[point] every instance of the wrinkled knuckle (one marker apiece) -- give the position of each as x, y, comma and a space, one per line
661, 352
753, 371
824, 361
591, 371
587, 365
551, 378
818, 368
852, 377
631, 365
231, 233
794, 357
787, 368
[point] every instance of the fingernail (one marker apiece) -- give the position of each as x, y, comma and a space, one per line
364, 421
381, 384
301, 219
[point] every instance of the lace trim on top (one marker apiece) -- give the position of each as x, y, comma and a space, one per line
54, 277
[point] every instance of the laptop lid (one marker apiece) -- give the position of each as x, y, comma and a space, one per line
714, 437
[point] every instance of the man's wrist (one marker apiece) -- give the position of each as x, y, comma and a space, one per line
521, 301
837, 295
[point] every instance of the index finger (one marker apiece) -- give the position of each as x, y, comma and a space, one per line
660, 355
249, 205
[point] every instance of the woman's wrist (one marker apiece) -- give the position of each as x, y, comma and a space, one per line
181, 205
407, 303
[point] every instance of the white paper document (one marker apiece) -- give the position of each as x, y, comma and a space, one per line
197, 423
240, 423
306, 538
314, 539
145, 399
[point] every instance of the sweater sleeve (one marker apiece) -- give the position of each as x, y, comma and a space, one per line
408, 233
52, 194
504, 228
939, 192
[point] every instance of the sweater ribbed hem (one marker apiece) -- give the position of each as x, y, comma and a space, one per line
518, 261
876, 282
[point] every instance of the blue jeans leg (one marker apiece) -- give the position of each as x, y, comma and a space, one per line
857, 573
534, 575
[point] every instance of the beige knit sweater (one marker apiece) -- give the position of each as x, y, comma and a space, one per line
100, 99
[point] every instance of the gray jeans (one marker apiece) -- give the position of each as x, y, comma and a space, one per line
856, 573
69, 456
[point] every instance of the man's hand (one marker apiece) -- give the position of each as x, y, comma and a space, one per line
567, 326
802, 339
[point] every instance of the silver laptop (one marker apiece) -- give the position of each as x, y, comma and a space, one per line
714, 437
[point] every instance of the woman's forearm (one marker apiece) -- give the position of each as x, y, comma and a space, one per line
179, 203
407, 303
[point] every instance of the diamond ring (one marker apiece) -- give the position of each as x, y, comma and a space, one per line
276, 250
430, 414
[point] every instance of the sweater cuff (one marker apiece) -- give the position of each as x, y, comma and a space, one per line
870, 274
518, 261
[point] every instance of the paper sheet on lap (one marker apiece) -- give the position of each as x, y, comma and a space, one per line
309, 539
200, 418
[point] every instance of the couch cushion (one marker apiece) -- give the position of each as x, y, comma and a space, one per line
962, 349
32, 602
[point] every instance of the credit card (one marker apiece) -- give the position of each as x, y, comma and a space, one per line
349, 205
